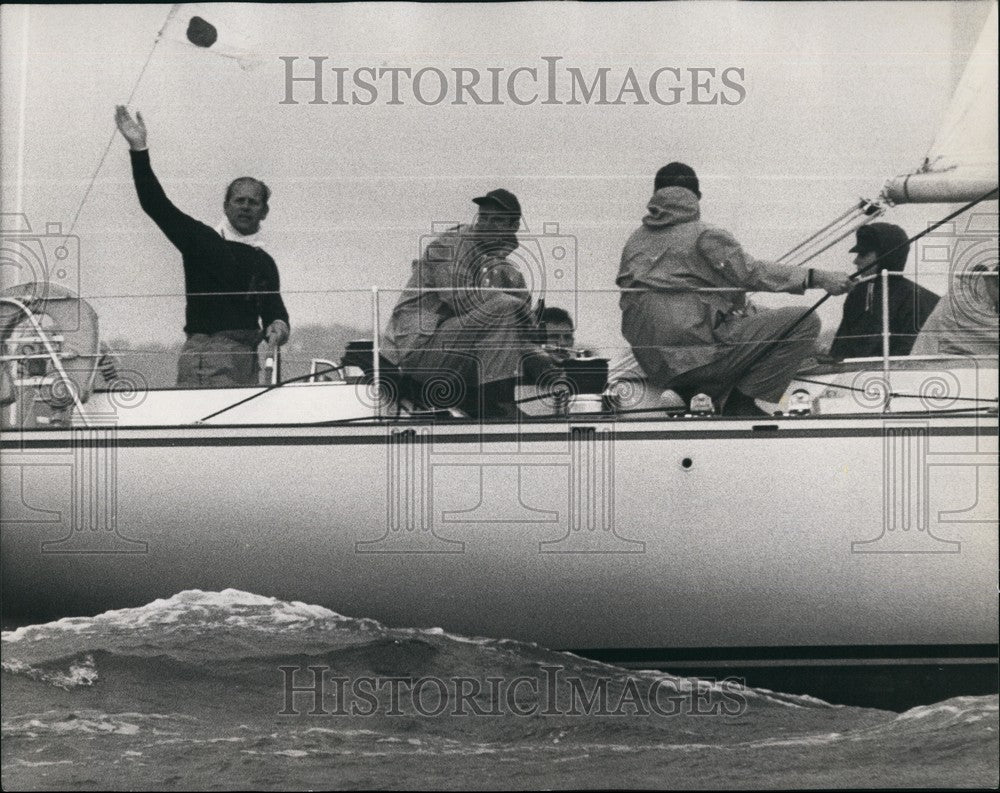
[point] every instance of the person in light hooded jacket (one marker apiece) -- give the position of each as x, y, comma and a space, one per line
684, 307
966, 321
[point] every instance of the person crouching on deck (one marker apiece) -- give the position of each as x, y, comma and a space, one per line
232, 285
465, 313
709, 341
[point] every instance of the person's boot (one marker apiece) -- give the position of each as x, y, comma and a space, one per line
497, 400
472, 401
739, 404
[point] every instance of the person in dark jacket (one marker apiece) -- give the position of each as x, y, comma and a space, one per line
860, 331
232, 285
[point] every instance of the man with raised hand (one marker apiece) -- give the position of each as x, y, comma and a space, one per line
232, 284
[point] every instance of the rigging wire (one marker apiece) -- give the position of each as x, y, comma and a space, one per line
834, 241
855, 208
111, 140
866, 212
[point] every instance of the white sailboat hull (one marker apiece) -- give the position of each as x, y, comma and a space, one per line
806, 532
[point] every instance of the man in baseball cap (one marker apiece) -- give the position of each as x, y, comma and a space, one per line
465, 313
501, 202
860, 331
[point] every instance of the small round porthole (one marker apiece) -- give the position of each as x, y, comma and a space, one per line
687, 463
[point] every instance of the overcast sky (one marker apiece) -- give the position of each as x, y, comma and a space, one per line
838, 97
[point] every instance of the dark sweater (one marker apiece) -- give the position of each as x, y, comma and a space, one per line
860, 331
212, 265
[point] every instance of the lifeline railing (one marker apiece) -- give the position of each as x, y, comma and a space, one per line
377, 294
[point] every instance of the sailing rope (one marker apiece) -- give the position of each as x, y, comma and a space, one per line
111, 140
270, 388
892, 394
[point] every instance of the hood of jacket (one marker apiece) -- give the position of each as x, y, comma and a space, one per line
670, 206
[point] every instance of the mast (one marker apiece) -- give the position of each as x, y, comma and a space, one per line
22, 99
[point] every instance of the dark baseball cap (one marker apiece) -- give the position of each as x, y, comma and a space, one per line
878, 237
888, 240
865, 241
504, 199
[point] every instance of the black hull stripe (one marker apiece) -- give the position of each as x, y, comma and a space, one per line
859, 654
759, 432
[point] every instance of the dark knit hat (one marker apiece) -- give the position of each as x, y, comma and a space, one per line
677, 174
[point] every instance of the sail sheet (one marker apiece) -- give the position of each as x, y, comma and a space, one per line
962, 162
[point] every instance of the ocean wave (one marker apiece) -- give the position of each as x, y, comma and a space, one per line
175, 647
190, 609
951, 713
192, 625
242, 641
80, 672
89, 722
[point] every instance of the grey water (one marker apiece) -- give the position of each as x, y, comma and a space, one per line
232, 690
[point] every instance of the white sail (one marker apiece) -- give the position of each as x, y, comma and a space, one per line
962, 163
